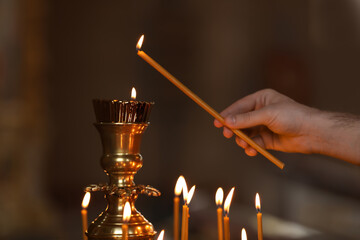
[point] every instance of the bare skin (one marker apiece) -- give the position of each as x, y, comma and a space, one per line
275, 121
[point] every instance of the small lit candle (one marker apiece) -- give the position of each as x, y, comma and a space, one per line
219, 196
243, 234
226, 217
161, 235
184, 211
177, 191
85, 204
133, 94
259, 216
189, 197
126, 219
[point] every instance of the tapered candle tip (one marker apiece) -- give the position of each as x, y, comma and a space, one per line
243, 234
86, 200
257, 202
140, 42
219, 197
179, 185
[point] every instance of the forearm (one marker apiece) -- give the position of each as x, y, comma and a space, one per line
337, 135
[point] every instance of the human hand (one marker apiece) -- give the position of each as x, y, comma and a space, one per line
273, 121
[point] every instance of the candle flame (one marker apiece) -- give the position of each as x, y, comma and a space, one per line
190, 195
161, 235
140, 42
257, 202
228, 201
185, 191
179, 185
127, 212
219, 197
243, 234
133, 93
86, 200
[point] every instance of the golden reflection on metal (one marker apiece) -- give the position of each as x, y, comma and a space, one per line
121, 126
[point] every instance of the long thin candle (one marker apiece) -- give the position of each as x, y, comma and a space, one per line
219, 196
85, 204
226, 217
259, 217
177, 192
183, 222
226, 228
205, 106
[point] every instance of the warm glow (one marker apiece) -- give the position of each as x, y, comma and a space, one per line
190, 195
179, 185
219, 197
127, 212
243, 234
257, 202
140, 42
161, 235
133, 93
86, 200
228, 200
185, 191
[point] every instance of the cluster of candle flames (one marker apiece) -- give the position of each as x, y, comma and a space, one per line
181, 187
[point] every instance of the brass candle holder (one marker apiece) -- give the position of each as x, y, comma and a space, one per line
121, 125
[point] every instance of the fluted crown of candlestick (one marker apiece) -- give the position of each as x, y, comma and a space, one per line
115, 111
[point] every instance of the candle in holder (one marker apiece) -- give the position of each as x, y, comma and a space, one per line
161, 235
243, 234
226, 217
204, 105
126, 219
259, 216
219, 196
184, 211
189, 197
85, 204
177, 191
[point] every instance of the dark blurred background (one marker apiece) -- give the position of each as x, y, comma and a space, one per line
56, 56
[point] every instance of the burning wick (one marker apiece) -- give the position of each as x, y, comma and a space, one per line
203, 104
126, 219
161, 235
177, 191
219, 197
243, 234
226, 217
259, 216
85, 204
133, 94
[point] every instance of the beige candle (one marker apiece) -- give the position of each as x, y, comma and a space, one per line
226, 218
126, 219
184, 211
177, 192
204, 105
219, 196
259, 216
85, 204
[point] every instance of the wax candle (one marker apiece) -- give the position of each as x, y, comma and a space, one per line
189, 197
85, 204
226, 217
243, 234
219, 196
126, 219
184, 211
177, 192
259, 216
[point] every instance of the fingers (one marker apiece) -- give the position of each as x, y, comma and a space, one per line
249, 119
250, 151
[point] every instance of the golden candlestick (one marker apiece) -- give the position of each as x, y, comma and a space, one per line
121, 125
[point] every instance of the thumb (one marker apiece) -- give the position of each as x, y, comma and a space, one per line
248, 119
